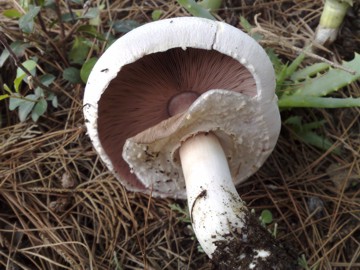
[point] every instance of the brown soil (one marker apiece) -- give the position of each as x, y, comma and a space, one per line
227, 254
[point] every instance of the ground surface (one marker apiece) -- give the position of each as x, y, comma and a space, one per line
61, 209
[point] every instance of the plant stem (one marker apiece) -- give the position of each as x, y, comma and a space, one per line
300, 101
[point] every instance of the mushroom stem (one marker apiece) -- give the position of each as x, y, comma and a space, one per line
216, 209
228, 233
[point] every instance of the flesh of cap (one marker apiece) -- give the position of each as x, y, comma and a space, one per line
234, 118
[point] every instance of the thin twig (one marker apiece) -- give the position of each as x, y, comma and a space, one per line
58, 13
53, 45
41, 21
70, 11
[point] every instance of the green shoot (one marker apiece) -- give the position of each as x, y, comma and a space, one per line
195, 9
184, 212
302, 262
330, 21
266, 217
211, 5
116, 262
305, 133
156, 14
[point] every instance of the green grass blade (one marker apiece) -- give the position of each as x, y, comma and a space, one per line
195, 9
297, 101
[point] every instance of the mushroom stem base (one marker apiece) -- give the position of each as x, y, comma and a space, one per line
215, 207
225, 229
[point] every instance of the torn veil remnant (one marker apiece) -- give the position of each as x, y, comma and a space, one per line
186, 109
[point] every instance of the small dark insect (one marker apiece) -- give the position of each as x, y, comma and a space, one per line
201, 195
87, 105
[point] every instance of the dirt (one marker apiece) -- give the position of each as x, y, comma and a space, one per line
243, 254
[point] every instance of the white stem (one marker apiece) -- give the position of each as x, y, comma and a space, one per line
330, 21
216, 209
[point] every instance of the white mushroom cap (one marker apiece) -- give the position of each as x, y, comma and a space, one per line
236, 119
131, 73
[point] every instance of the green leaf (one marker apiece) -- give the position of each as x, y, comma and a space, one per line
305, 134
185, 212
266, 217
294, 65
49, 4
39, 109
26, 106
54, 102
7, 88
72, 75
12, 13
283, 74
195, 9
30, 65
47, 79
294, 121
124, 26
318, 141
300, 101
309, 71
17, 82
15, 101
79, 51
86, 68
69, 17
41, 3
313, 125
90, 30
24, 4
331, 81
245, 24
26, 22
4, 96
91, 13
39, 92
275, 60
18, 47
156, 14
53, 98
211, 5
248, 29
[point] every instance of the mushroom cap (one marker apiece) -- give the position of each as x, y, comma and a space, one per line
127, 97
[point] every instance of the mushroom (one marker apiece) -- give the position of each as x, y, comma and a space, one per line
185, 108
